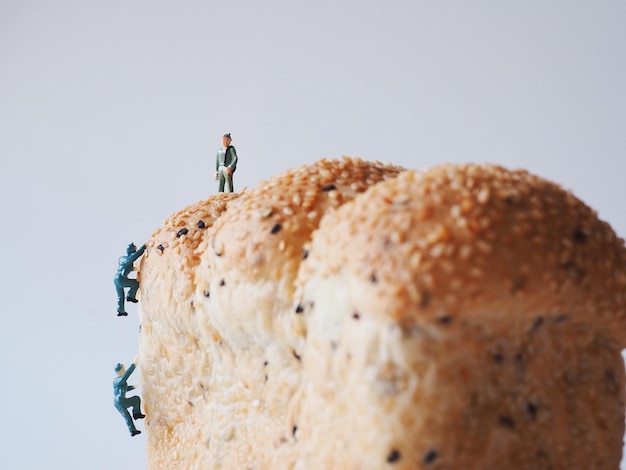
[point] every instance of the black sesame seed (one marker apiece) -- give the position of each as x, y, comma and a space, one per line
295, 354
498, 358
373, 278
276, 228
579, 236
430, 456
305, 254
182, 231
531, 408
537, 324
333, 345
393, 456
611, 385
190, 404
222, 282
207, 293
517, 284
576, 271
201, 224
519, 365
299, 308
356, 315
265, 363
293, 431
506, 421
329, 187
160, 248
444, 320
386, 243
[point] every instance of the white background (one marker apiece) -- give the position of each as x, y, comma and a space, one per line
111, 113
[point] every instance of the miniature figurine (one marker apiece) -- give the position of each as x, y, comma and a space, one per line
225, 164
124, 268
122, 403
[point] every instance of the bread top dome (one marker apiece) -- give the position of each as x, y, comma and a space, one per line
263, 235
475, 242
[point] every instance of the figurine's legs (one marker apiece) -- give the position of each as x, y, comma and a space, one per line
134, 287
221, 182
229, 179
120, 299
135, 403
129, 421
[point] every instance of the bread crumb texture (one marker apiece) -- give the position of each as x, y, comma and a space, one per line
355, 315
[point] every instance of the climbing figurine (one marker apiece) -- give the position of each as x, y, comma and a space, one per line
225, 164
122, 402
124, 268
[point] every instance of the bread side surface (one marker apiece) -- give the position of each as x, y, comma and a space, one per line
175, 355
468, 317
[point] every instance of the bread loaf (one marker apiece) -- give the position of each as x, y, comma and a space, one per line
355, 315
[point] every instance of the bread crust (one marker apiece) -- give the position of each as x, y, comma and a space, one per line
229, 346
469, 317
349, 314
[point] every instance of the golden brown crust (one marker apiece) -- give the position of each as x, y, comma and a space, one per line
254, 251
264, 235
472, 316
477, 234
217, 317
183, 232
466, 316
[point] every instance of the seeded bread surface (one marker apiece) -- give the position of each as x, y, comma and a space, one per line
349, 314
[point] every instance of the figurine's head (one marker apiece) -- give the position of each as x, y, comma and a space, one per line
131, 248
120, 369
226, 140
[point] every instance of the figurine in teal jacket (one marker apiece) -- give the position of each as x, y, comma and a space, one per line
124, 268
122, 402
225, 164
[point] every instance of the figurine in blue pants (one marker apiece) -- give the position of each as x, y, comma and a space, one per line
121, 402
124, 268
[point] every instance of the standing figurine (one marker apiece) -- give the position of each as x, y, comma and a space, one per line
121, 402
124, 268
225, 164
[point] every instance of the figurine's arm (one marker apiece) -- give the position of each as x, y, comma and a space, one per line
129, 371
135, 256
233, 163
135, 362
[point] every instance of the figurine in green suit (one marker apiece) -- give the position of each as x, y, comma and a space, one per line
122, 402
225, 164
